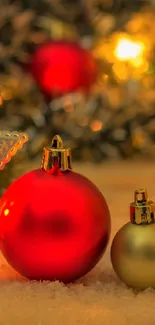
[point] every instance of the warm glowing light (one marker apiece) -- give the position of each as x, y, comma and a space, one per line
6, 212
1, 100
128, 50
120, 71
6, 94
96, 126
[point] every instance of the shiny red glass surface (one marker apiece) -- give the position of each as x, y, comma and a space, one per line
53, 225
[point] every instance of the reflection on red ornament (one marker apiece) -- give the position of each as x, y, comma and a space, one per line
54, 223
61, 67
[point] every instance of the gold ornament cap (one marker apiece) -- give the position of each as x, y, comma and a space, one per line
142, 210
56, 155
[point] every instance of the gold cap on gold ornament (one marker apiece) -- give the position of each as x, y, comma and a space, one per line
142, 210
56, 154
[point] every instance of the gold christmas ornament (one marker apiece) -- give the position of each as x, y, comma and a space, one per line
133, 247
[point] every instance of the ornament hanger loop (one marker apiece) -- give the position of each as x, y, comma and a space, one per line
56, 155
57, 142
140, 196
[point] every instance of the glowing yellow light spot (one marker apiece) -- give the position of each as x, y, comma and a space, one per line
96, 125
127, 50
120, 71
6, 212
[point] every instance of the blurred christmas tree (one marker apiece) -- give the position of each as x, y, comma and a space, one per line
117, 117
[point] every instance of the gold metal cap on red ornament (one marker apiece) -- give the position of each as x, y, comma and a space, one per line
56, 154
142, 210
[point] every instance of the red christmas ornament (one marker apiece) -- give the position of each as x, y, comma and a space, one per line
61, 67
54, 223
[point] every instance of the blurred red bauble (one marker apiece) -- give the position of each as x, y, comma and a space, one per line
54, 223
61, 67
